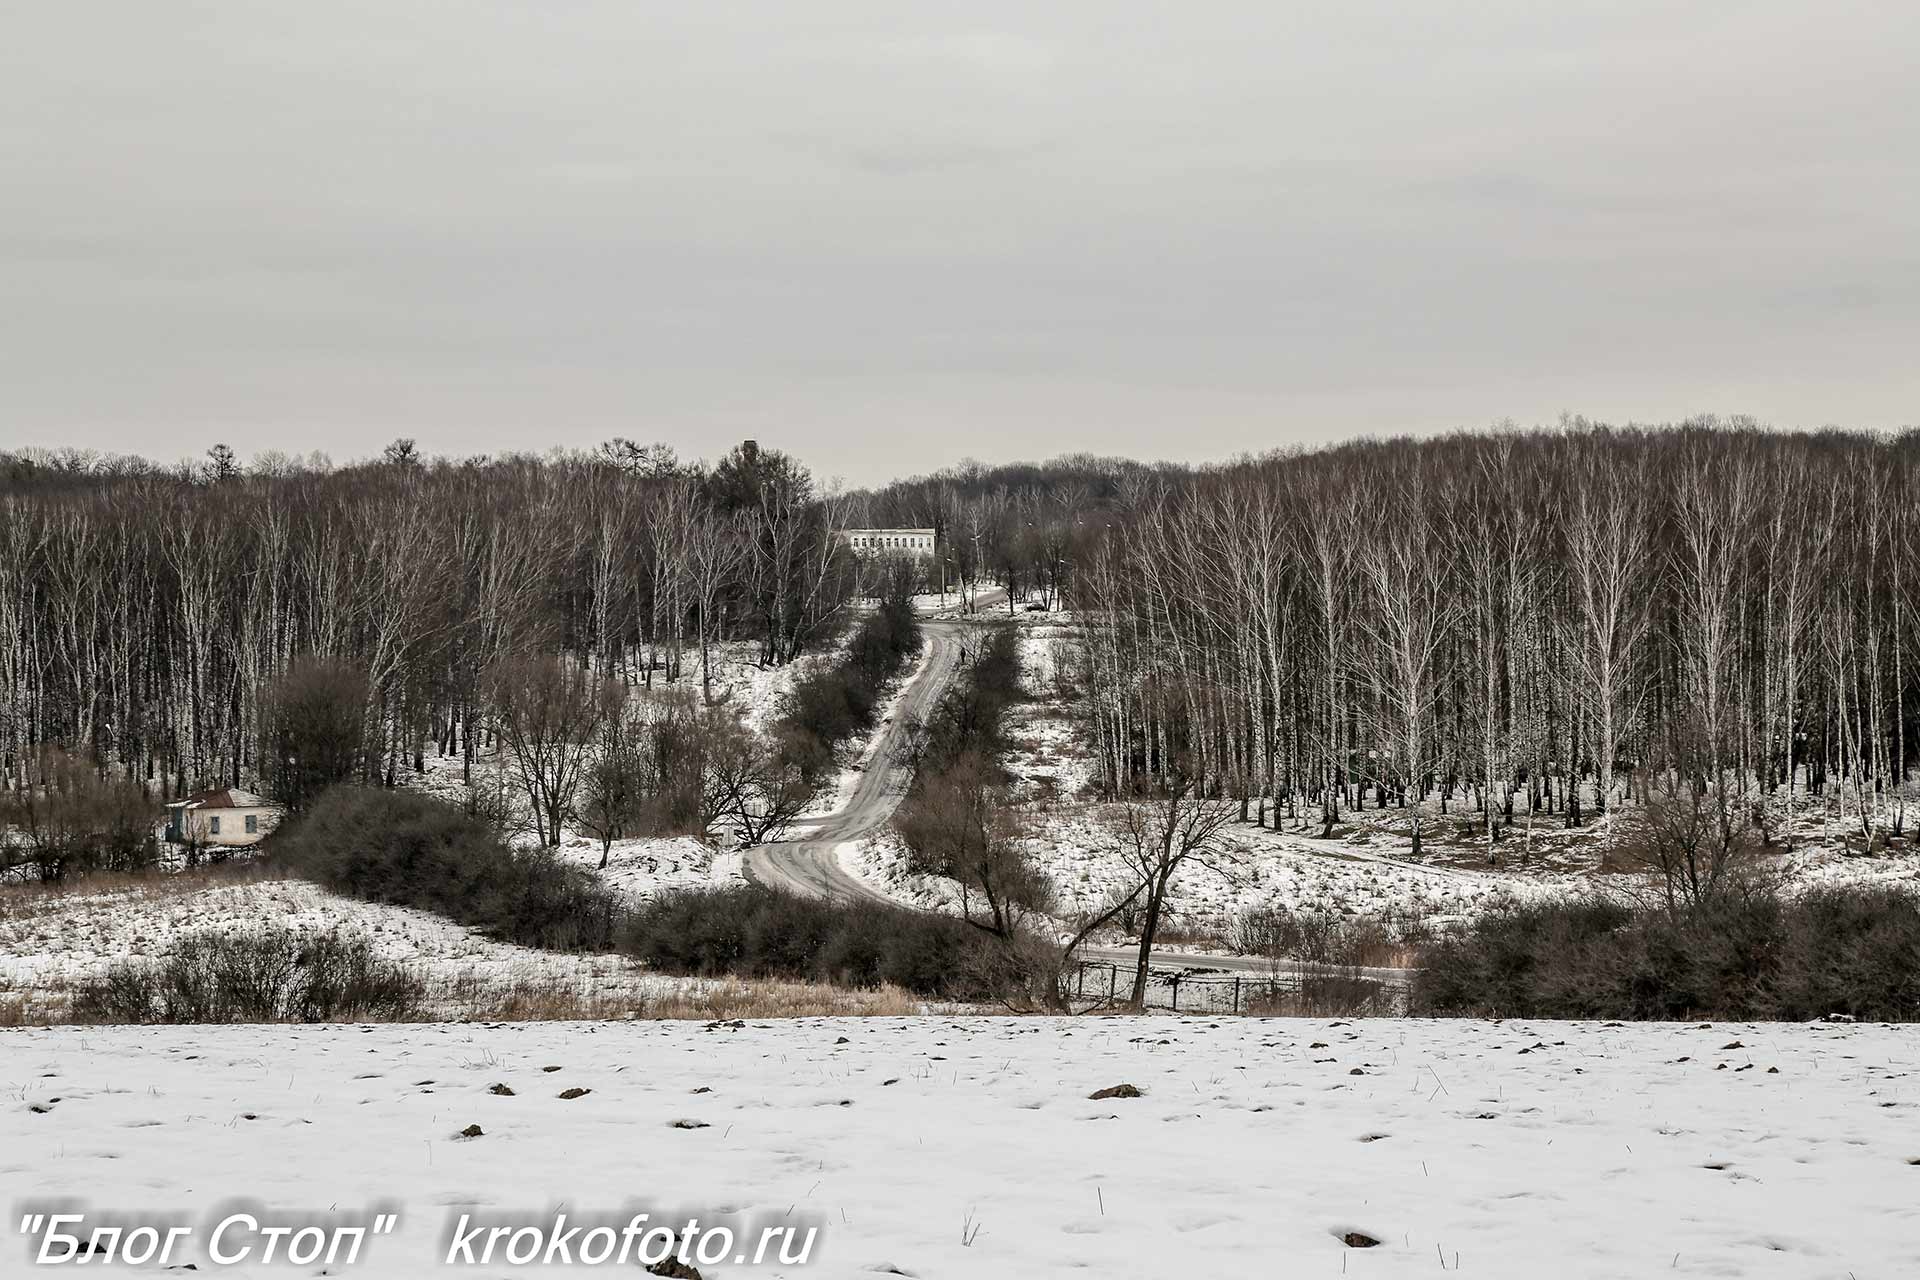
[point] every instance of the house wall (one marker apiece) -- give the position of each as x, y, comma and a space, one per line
233, 825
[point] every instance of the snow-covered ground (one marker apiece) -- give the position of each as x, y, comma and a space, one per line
1258, 868
1050, 758
948, 1147
52, 942
646, 867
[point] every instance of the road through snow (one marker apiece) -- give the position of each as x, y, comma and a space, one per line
811, 864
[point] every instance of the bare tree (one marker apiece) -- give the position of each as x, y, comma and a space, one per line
715, 545
1408, 625
1607, 547
613, 796
959, 823
1154, 838
1697, 841
546, 710
752, 784
316, 730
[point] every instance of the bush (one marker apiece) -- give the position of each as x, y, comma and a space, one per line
971, 717
411, 850
1748, 955
270, 975
831, 705
1853, 951
754, 932
1321, 937
73, 818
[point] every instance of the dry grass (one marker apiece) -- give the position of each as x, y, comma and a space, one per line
1203, 935
1329, 995
30, 900
558, 1000
717, 1001
36, 1008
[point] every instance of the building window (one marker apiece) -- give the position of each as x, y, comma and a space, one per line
253, 824
213, 826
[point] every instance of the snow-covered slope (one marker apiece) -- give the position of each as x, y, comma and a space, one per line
52, 942
654, 865
1259, 1145
1257, 868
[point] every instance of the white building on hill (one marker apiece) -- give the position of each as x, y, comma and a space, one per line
919, 543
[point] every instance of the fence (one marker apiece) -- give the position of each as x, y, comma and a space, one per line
1200, 990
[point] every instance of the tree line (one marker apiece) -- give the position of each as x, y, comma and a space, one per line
147, 613
1559, 619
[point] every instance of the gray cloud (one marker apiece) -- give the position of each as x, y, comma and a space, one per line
888, 236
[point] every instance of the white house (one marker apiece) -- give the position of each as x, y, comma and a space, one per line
919, 543
230, 817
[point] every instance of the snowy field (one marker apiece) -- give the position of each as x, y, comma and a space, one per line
1258, 1148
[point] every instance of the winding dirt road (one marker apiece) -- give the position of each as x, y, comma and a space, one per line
809, 864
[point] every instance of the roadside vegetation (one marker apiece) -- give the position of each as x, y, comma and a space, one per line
832, 705
958, 819
755, 932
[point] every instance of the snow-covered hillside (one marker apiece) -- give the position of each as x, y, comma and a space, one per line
1258, 1148
1258, 869
1364, 871
51, 942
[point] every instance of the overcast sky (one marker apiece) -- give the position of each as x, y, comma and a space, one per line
888, 235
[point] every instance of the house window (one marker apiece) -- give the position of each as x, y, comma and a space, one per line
253, 824
213, 826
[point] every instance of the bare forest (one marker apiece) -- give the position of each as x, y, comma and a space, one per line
1549, 623
1515, 626
164, 629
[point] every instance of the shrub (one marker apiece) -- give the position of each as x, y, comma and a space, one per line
754, 932
831, 704
269, 975
1749, 954
412, 850
971, 717
1321, 937
1854, 951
